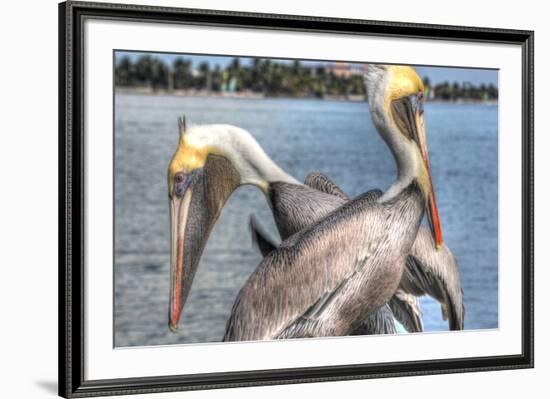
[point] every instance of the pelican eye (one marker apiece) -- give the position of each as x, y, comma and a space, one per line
181, 182
420, 100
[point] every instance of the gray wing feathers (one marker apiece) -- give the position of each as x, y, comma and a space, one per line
320, 182
307, 325
274, 294
435, 273
296, 207
428, 272
310, 324
406, 310
260, 238
381, 322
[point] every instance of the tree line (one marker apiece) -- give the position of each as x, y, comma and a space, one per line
269, 78
446, 91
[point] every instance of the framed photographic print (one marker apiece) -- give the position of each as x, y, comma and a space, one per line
251, 199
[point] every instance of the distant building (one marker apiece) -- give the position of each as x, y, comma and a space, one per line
346, 70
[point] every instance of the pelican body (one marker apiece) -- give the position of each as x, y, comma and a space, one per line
294, 205
328, 277
309, 269
428, 271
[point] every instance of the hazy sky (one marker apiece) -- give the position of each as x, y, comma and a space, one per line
436, 74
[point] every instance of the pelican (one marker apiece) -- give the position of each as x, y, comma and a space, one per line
209, 164
428, 271
381, 322
352, 260
326, 278
295, 206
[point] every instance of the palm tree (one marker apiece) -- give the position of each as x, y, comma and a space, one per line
124, 72
183, 78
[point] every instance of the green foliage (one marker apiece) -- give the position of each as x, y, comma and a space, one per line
465, 91
270, 78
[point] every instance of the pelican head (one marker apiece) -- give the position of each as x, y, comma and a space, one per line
209, 163
396, 103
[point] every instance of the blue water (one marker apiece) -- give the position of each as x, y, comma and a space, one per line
334, 137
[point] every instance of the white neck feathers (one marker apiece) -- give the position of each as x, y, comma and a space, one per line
405, 152
247, 156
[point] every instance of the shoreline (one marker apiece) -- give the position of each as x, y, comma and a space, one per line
258, 96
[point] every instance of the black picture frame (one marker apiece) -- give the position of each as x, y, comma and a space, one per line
71, 199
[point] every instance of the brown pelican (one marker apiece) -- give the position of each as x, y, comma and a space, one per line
230, 157
208, 165
429, 271
296, 206
351, 261
381, 322
332, 265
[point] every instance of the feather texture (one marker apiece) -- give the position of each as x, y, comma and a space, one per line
360, 271
428, 271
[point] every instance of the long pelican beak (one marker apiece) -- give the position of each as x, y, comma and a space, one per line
196, 201
431, 204
179, 213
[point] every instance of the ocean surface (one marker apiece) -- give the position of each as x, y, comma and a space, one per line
335, 137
